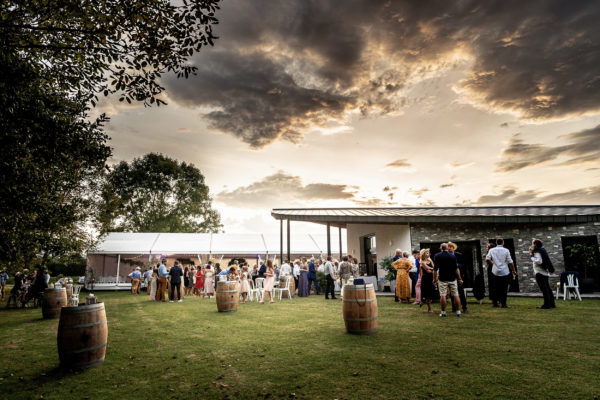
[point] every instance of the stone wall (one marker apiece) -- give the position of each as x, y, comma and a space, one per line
522, 234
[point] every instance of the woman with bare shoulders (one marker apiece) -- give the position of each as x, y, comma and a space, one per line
426, 277
269, 281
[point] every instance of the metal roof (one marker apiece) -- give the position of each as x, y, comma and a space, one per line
496, 214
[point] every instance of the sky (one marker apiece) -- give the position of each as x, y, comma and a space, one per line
382, 104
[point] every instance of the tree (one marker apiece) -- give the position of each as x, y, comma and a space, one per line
109, 46
51, 155
157, 194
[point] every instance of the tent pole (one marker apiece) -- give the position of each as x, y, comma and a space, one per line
328, 239
118, 267
281, 240
288, 242
340, 235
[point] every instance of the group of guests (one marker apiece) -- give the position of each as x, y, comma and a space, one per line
28, 286
445, 271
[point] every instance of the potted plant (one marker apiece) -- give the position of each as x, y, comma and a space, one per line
390, 271
584, 258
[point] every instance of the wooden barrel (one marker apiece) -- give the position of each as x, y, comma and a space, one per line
282, 282
53, 301
360, 309
82, 336
228, 296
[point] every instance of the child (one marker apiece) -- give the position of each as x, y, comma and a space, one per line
269, 281
245, 286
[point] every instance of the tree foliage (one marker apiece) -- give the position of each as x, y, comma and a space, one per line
51, 155
108, 46
155, 193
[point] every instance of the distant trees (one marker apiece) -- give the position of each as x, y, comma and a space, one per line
155, 193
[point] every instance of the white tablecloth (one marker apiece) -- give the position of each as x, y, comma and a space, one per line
367, 279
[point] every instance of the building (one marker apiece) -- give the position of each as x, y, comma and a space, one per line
117, 254
375, 233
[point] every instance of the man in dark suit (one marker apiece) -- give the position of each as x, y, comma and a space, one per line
176, 273
461, 287
446, 275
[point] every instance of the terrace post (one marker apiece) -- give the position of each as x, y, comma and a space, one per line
288, 242
328, 239
340, 236
118, 266
280, 239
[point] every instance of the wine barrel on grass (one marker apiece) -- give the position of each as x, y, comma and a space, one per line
360, 309
52, 302
228, 296
82, 336
282, 283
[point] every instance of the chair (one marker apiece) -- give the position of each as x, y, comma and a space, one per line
280, 291
557, 289
571, 287
260, 286
254, 291
74, 300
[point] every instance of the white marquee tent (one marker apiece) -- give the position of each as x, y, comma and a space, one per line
118, 253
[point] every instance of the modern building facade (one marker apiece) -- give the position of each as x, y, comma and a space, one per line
375, 233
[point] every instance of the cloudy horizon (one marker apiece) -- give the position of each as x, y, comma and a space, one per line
378, 103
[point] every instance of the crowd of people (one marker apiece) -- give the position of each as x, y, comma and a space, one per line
172, 283
427, 278
28, 287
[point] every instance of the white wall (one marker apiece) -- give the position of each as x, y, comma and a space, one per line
388, 237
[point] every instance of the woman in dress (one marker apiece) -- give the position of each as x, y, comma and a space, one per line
153, 284
418, 284
189, 285
199, 282
244, 286
402, 266
209, 284
426, 279
186, 280
269, 281
303, 279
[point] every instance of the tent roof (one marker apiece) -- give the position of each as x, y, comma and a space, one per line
214, 243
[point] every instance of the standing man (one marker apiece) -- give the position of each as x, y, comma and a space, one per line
413, 273
286, 269
345, 274
461, 286
148, 278
312, 276
135, 276
542, 268
176, 273
499, 258
296, 274
3, 279
330, 276
446, 274
162, 281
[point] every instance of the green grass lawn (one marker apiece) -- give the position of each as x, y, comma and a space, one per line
300, 350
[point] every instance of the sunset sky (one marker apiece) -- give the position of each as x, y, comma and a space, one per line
383, 103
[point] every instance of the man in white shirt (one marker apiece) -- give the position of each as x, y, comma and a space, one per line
502, 268
540, 269
296, 273
330, 276
412, 273
286, 269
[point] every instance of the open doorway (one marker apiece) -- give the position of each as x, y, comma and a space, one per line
369, 248
581, 254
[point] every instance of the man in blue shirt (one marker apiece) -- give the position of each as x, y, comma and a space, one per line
176, 273
162, 281
3, 279
135, 276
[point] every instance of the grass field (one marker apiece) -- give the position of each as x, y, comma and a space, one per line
300, 350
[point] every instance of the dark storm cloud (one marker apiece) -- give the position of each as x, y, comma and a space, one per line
282, 68
585, 148
282, 188
512, 196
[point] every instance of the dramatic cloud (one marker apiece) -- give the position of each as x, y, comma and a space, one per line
585, 148
282, 189
446, 185
281, 69
512, 196
402, 163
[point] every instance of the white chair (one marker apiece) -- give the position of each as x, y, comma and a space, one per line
260, 286
74, 300
280, 291
572, 284
557, 289
254, 291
